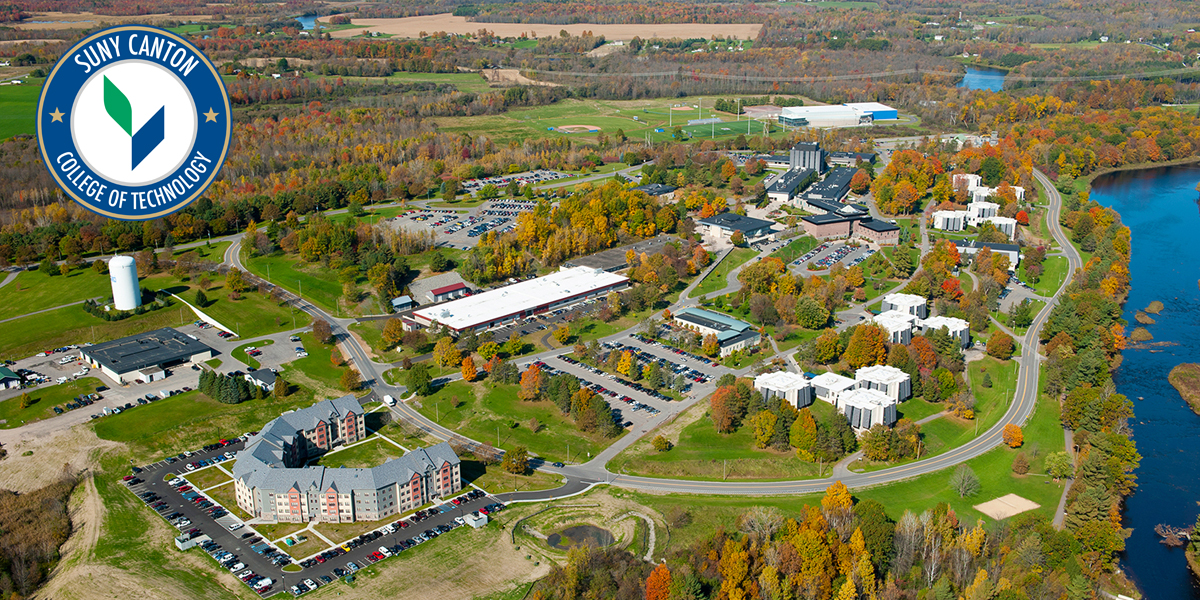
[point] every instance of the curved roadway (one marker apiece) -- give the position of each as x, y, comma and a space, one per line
578, 478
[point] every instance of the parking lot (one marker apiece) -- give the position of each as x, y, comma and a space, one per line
462, 228
824, 256
258, 559
471, 186
549, 321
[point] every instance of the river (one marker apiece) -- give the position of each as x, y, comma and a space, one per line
1160, 207
983, 79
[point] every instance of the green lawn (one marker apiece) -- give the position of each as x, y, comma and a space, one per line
18, 105
190, 420
35, 290
208, 477
716, 279
917, 409
250, 316
372, 333
29, 335
371, 453
45, 398
314, 283
316, 367
495, 480
239, 353
499, 412
1054, 271
990, 404
703, 454
211, 253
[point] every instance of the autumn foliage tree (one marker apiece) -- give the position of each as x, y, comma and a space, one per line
867, 346
1000, 345
658, 584
468, 368
722, 409
1013, 436
531, 383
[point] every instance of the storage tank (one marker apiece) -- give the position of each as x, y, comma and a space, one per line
122, 273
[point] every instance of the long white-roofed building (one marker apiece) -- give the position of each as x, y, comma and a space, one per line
792, 387
496, 307
889, 380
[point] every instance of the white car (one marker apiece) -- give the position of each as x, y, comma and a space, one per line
236, 526
237, 567
384, 551
388, 400
312, 585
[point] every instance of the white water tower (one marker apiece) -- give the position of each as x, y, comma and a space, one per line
122, 273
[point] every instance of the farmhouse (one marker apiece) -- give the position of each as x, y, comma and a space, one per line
519, 300
142, 357
272, 483
732, 334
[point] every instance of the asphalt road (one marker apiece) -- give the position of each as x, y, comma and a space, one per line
1018, 412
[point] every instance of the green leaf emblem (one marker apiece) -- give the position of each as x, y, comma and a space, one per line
118, 106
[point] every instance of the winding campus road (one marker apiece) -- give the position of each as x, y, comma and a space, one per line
579, 478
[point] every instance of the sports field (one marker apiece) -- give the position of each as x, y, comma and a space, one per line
637, 118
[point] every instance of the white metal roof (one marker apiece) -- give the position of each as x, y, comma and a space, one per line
869, 106
905, 300
881, 374
832, 381
952, 324
781, 380
895, 320
865, 398
494, 304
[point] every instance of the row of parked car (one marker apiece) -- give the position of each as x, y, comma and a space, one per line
595, 387
482, 228
680, 351
471, 186
259, 583
669, 365
864, 256
835, 257
508, 209
461, 224
810, 254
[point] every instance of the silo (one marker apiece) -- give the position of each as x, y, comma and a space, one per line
122, 273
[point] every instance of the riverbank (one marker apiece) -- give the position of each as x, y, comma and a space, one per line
1085, 183
1186, 380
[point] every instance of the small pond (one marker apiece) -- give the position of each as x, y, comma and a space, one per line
580, 534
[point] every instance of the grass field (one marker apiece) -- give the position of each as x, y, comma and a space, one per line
1054, 271
35, 290
207, 477
314, 283
703, 454
917, 409
465, 82
636, 118
189, 420
29, 335
495, 480
18, 105
716, 279
489, 410
316, 368
45, 398
795, 248
371, 453
212, 253
250, 316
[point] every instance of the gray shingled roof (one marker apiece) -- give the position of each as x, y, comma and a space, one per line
260, 464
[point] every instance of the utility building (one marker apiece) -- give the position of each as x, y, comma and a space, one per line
142, 357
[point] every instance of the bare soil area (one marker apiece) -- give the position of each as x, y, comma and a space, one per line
412, 27
78, 447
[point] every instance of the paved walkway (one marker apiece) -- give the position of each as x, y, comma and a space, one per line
44, 310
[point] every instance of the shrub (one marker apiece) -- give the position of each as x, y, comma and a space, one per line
1020, 464
661, 444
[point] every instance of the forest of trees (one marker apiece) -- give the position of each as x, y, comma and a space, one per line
33, 525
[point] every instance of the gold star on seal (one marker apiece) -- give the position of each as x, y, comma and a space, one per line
56, 116
210, 115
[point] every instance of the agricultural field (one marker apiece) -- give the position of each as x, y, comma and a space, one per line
18, 105
415, 27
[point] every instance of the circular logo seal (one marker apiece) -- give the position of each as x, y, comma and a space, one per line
134, 122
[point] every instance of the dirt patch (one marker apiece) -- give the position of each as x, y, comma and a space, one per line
682, 108
412, 27
78, 447
1186, 379
606, 49
1006, 506
61, 20
577, 129
512, 77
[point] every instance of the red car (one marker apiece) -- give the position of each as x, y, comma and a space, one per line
456, 501
184, 488
127, 478
483, 511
